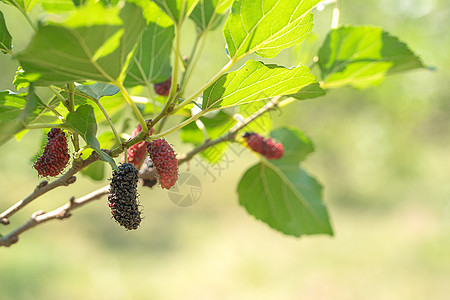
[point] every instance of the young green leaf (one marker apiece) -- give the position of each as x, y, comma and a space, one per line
57, 6
5, 37
151, 61
93, 44
98, 90
255, 81
361, 56
267, 27
24, 5
262, 124
282, 194
83, 122
177, 10
285, 197
215, 127
208, 14
19, 110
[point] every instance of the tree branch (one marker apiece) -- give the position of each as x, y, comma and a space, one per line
230, 135
60, 213
43, 187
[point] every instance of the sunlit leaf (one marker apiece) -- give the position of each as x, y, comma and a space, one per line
93, 44
24, 5
281, 194
151, 61
361, 56
208, 14
5, 37
19, 110
214, 127
83, 122
255, 81
177, 10
267, 26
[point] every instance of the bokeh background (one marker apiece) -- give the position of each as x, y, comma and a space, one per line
382, 154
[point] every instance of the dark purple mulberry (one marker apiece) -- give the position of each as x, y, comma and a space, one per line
55, 156
123, 196
164, 161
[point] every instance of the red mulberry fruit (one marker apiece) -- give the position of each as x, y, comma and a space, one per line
164, 161
163, 88
137, 153
123, 196
265, 146
55, 156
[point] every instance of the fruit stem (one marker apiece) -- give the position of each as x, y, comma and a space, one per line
203, 88
192, 61
130, 101
71, 108
108, 119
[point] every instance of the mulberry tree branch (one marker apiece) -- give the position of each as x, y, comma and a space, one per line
230, 135
60, 213
43, 187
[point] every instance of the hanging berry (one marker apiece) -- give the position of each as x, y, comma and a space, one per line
55, 156
123, 196
137, 153
265, 146
163, 88
164, 161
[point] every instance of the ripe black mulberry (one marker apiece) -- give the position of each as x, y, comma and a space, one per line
123, 196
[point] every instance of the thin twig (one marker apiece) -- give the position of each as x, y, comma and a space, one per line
230, 135
43, 187
60, 213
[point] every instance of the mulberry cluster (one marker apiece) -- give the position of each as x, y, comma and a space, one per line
55, 156
163, 88
123, 196
164, 161
137, 153
265, 146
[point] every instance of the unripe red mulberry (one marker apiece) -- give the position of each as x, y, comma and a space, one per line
164, 161
123, 197
163, 88
55, 156
265, 146
137, 153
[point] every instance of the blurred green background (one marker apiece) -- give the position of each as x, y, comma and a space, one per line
382, 154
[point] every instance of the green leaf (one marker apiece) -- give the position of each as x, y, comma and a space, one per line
255, 81
267, 27
24, 5
215, 127
96, 170
19, 110
57, 6
208, 14
177, 10
151, 61
98, 90
5, 37
285, 197
262, 124
93, 44
296, 145
308, 92
361, 56
83, 122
